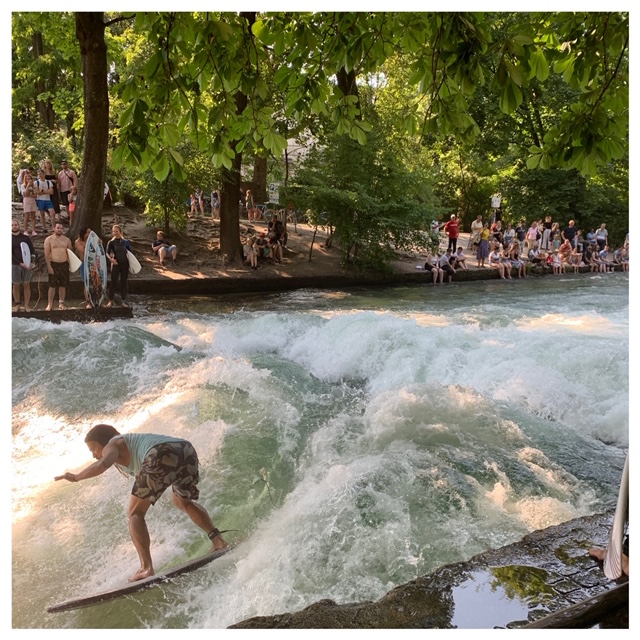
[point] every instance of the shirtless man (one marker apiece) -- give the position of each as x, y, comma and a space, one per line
55, 255
144, 455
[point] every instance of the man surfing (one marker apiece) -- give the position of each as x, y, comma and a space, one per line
157, 462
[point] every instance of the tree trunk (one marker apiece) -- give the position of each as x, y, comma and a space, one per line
44, 109
230, 245
93, 52
260, 179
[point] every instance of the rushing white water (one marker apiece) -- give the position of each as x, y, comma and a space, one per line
355, 440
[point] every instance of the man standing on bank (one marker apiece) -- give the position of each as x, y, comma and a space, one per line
67, 179
55, 255
157, 462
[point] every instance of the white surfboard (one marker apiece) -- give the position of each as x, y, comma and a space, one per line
74, 261
26, 254
134, 265
612, 565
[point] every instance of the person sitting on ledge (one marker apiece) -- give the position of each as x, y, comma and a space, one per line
163, 248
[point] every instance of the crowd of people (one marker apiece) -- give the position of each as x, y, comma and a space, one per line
25, 262
542, 243
266, 246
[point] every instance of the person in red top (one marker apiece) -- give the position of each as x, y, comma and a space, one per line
452, 229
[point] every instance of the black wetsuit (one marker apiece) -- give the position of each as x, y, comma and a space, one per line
118, 247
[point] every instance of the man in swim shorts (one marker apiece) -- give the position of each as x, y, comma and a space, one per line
55, 255
156, 462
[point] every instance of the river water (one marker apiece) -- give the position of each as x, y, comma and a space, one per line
353, 440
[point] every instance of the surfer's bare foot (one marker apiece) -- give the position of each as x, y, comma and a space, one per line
217, 542
62, 306
109, 304
48, 307
141, 574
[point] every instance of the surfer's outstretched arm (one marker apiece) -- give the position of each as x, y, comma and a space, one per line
110, 455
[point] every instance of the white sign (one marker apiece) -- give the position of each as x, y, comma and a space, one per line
495, 201
274, 192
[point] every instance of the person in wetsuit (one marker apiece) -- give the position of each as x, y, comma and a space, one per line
116, 252
157, 462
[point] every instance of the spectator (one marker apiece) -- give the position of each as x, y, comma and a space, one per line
250, 204
71, 207
20, 273
251, 252
44, 189
496, 231
532, 234
476, 228
556, 242
460, 261
508, 235
506, 262
545, 242
262, 246
590, 238
587, 258
29, 206
483, 248
432, 265
603, 257
445, 262
193, 204
601, 236
521, 233
66, 179
451, 228
275, 248
51, 175
200, 200
163, 248
570, 233
575, 259
565, 252
534, 256
556, 263
215, 204
514, 257
57, 259
495, 260
277, 227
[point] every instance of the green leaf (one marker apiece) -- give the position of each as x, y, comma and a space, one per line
161, 168
533, 161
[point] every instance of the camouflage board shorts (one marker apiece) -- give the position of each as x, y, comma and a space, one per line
171, 464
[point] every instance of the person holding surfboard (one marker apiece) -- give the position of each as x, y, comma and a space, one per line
156, 462
21, 247
57, 259
116, 251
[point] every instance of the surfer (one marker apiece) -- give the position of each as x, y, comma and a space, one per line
55, 255
80, 245
156, 462
20, 272
116, 252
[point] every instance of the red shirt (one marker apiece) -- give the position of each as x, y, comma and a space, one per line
451, 228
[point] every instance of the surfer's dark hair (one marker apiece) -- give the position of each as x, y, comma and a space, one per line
101, 434
82, 231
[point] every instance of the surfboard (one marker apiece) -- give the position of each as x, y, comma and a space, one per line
26, 254
133, 587
95, 270
74, 261
612, 565
134, 265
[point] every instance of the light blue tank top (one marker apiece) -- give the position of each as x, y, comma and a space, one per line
139, 445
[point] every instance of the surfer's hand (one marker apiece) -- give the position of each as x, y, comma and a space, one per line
71, 477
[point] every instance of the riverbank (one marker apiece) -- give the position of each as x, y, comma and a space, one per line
199, 270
